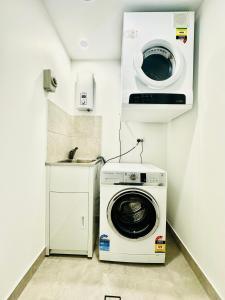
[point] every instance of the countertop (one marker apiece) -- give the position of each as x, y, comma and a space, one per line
73, 164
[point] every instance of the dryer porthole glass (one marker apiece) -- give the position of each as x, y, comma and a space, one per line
133, 214
158, 63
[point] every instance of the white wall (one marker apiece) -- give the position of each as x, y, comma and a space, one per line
196, 153
108, 105
28, 45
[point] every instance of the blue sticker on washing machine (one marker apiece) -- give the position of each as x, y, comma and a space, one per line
104, 242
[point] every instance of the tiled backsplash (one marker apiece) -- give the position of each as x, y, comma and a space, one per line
66, 132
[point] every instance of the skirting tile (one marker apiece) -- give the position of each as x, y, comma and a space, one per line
27, 277
194, 266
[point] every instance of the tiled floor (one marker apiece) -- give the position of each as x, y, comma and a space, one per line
80, 278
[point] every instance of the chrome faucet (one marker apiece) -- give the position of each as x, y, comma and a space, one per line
72, 153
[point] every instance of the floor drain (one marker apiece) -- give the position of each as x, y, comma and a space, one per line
108, 297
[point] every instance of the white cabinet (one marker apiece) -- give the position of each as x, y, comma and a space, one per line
69, 179
72, 201
68, 222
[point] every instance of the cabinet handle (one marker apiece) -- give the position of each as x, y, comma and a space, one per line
82, 220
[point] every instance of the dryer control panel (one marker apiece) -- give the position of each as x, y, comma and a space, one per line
134, 178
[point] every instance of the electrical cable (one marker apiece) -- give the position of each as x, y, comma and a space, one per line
123, 153
120, 140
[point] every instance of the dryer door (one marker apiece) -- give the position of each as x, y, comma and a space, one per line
158, 64
133, 213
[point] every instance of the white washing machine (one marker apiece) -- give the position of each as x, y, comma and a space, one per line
157, 65
132, 213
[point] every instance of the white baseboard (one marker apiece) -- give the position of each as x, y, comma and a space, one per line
207, 285
27, 277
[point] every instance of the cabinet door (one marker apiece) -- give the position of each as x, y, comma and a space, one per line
69, 179
69, 221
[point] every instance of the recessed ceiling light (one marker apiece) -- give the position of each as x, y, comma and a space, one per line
84, 44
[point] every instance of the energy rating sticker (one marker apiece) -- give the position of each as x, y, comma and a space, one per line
160, 244
104, 242
181, 34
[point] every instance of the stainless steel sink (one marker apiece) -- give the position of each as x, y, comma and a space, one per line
65, 161
77, 161
84, 161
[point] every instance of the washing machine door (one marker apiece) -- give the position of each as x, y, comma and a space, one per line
158, 64
133, 214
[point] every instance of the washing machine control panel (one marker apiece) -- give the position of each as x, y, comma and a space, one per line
135, 178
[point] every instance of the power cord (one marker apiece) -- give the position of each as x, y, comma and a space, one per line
120, 145
120, 142
138, 141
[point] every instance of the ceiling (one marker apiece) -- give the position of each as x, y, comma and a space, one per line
97, 24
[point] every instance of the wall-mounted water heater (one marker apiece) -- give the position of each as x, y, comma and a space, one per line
85, 91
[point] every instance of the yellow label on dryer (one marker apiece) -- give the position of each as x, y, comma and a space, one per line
181, 32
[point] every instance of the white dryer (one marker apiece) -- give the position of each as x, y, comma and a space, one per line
157, 65
132, 213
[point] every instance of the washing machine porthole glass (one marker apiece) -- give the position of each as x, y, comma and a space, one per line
133, 214
158, 63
